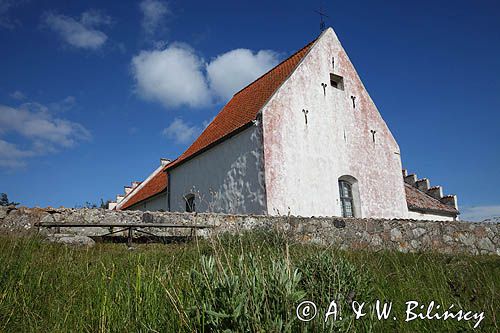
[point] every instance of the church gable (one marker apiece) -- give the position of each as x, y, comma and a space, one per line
321, 127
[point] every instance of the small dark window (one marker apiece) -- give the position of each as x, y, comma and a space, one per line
190, 204
337, 81
346, 199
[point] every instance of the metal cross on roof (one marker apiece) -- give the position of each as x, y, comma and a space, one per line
321, 16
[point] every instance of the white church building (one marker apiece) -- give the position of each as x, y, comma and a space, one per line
304, 139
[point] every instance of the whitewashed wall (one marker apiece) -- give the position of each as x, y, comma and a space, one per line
158, 202
428, 217
303, 162
228, 178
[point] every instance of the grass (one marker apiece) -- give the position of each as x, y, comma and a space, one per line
248, 283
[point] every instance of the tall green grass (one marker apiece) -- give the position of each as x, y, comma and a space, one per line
247, 283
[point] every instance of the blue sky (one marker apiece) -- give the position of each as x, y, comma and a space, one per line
93, 93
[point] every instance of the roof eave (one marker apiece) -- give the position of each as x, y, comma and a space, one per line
210, 146
148, 198
433, 211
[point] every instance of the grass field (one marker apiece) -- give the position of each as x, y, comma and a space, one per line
250, 283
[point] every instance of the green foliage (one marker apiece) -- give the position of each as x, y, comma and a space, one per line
4, 200
103, 204
329, 276
247, 283
246, 296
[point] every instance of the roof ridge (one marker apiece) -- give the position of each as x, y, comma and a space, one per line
269, 71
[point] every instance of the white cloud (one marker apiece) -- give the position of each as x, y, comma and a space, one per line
79, 33
177, 76
153, 12
13, 157
40, 125
63, 105
173, 76
17, 95
181, 132
94, 18
44, 132
479, 213
233, 70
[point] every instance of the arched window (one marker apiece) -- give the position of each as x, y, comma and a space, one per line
190, 203
346, 199
350, 203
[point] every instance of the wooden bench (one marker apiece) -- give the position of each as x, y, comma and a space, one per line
129, 227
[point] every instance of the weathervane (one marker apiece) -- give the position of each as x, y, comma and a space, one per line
321, 16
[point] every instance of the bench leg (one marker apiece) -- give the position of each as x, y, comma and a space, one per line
129, 238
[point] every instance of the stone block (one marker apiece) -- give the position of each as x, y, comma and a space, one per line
396, 234
486, 244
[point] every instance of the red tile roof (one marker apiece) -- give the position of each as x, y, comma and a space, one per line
420, 201
243, 108
157, 184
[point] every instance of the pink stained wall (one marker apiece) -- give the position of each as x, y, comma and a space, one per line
303, 162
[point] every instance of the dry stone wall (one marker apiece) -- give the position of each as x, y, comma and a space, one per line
345, 233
